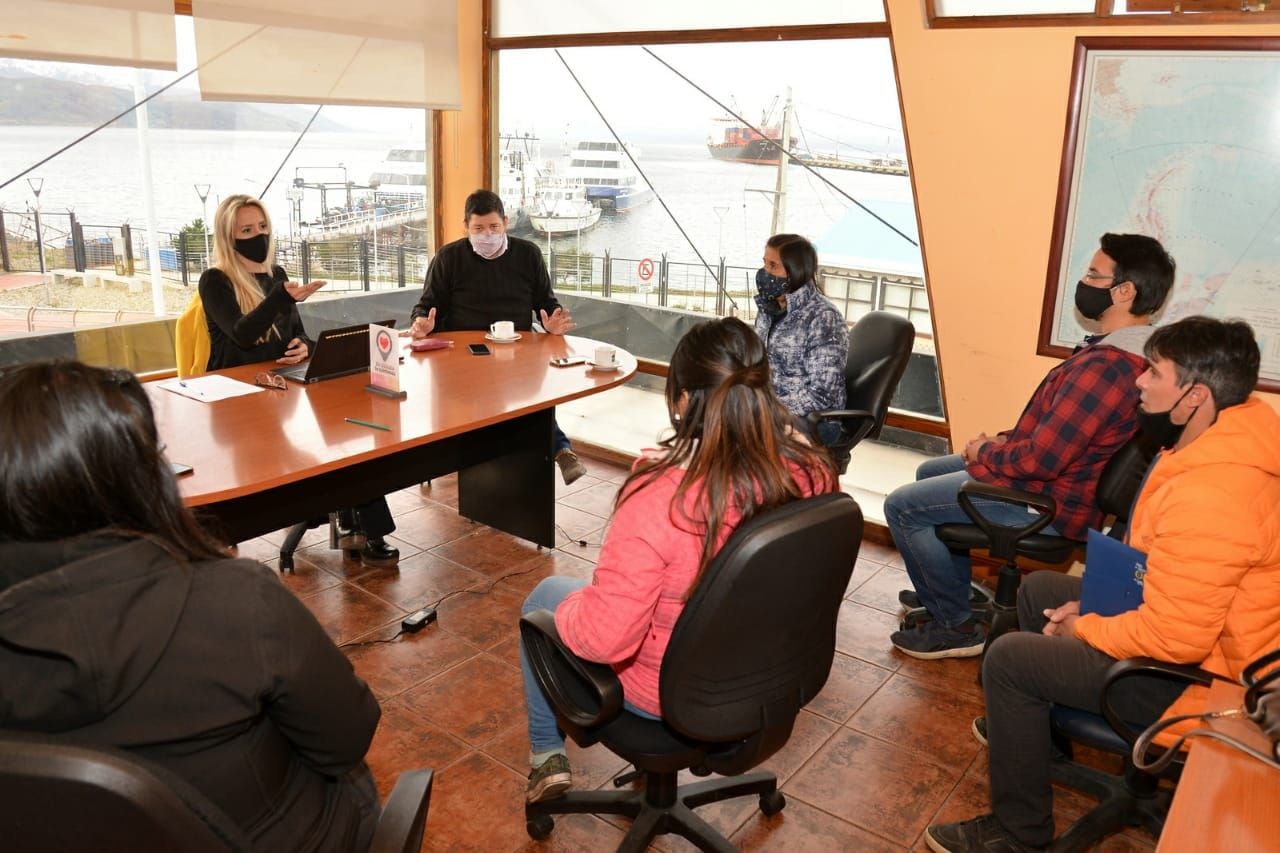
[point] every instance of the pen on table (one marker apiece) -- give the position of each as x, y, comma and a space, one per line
359, 422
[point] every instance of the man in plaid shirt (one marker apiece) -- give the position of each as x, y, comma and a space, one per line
1083, 411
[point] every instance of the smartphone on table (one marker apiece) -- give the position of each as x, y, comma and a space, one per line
478, 349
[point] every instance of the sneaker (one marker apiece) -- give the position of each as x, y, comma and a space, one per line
550, 779
979, 729
982, 834
910, 599
932, 640
378, 554
571, 467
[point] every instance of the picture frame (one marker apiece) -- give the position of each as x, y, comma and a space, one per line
1179, 139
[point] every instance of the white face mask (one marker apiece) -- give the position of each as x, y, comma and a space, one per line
489, 246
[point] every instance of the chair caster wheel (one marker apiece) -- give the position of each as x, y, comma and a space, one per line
772, 803
539, 828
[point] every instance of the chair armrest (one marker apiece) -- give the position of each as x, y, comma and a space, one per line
1130, 667
585, 693
404, 817
1006, 534
856, 424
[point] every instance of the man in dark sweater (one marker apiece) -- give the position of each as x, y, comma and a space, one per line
489, 276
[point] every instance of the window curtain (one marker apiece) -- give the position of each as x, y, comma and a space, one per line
137, 33
390, 53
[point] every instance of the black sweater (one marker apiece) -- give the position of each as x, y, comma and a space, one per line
233, 335
470, 292
214, 671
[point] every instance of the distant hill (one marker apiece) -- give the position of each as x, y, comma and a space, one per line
29, 99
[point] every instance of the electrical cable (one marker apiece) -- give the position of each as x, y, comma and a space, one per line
719, 284
294, 147
765, 138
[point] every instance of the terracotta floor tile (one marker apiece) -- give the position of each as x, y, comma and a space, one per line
589, 552
602, 470
933, 721
420, 580
473, 701
312, 537
508, 650
405, 741
489, 551
431, 524
347, 612
483, 620
887, 790
476, 805
968, 799
574, 524
546, 564
577, 833
392, 668
408, 499
306, 576
336, 562
877, 553
586, 481
959, 673
851, 682
442, 490
800, 828
864, 633
881, 590
597, 500
863, 570
593, 767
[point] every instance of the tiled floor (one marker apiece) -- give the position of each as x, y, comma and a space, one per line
884, 751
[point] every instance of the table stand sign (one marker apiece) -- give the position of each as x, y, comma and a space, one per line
384, 363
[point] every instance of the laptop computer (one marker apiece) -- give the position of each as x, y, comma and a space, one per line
338, 352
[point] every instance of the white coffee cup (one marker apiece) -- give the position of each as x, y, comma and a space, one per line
606, 356
503, 329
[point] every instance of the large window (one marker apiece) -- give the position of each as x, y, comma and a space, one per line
683, 227
350, 198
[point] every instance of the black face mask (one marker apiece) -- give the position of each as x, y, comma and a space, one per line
1092, 302
1159, 427
255, 248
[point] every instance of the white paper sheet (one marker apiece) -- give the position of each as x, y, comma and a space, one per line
209, 389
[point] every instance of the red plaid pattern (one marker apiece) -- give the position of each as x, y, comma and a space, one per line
1083, 411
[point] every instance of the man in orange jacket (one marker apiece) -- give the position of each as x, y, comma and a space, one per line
1206, 519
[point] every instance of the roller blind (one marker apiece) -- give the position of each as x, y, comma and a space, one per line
512, 18
138, 33
392, 53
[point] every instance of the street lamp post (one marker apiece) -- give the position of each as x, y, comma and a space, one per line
36, 185
202, 190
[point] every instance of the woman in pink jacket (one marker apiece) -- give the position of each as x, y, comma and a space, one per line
733, 455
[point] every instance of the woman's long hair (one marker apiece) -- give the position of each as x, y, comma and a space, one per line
248, 292
734, 440
81, 454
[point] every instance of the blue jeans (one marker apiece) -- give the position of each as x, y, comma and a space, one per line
544, 734
941, 577
561, 440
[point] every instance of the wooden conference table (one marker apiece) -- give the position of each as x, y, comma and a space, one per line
1225, 800
268, 460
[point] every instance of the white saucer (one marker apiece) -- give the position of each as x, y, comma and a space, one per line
510, 340
606, 368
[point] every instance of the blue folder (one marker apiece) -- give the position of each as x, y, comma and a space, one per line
1113, 574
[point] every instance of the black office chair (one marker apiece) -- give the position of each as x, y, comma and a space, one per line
1117, 488
753, 646
57, 796
879, 349
295, 534
1134, 798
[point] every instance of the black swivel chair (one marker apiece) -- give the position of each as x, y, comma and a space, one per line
57, 796
879, 349
1134, 798
753, 646
1117, 488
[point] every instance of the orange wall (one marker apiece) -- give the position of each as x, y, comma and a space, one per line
462, 132
985, 111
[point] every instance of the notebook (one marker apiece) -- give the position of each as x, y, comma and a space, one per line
1113, 575
339, 352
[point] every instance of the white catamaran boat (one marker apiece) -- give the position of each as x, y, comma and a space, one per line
606, 173
561, 206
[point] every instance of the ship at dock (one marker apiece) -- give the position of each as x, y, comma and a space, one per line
736, 141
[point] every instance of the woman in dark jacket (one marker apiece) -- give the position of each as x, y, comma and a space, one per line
123, 624
252, 310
